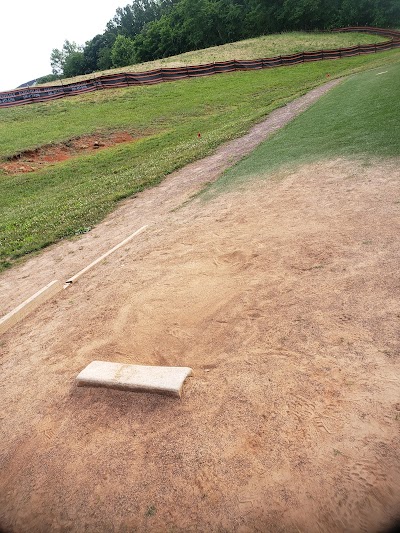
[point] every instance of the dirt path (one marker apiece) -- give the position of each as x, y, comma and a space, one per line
284, 299
150, 207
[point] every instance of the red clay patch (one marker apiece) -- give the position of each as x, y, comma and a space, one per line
32, 160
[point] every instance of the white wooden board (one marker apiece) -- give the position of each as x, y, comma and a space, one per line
24, 309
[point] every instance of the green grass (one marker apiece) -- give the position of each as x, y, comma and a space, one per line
265, 46
66, 199
359, 118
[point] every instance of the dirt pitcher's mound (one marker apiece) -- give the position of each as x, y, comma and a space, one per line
284, 299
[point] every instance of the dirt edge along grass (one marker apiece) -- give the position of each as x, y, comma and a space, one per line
357, 119
39, 208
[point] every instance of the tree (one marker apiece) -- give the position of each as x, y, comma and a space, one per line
59, 57
105, 60
123, 51
262, 18
131, 19
57, 62
74, 65
97, 52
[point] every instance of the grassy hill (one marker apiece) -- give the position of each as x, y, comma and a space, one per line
265, 46
67, 198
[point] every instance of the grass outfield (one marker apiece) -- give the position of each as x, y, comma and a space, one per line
359, 118
265, 46
41, 207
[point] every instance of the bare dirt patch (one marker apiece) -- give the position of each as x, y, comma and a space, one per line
31, 160
283, 297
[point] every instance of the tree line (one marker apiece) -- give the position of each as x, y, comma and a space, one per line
152, 29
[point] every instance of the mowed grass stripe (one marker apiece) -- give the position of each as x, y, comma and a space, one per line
39, 208
358, 118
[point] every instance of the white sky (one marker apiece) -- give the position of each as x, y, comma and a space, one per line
30, 29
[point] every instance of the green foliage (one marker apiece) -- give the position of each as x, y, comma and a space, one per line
381, 13
357, 119
309, 14
194, 24
57, 61
74, 64
104, 61
59, 58
97, 52
41, 207
131, 19
122, 52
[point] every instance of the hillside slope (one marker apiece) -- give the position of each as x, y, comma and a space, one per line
265, 46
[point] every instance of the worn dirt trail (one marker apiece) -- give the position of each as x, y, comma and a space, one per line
283, 296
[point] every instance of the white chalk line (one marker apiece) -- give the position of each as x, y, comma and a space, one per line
45, 293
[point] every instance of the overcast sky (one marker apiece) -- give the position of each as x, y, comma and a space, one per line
29, 30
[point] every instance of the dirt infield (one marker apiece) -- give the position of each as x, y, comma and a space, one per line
283, 296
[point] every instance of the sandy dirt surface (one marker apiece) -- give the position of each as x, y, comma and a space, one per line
283, 296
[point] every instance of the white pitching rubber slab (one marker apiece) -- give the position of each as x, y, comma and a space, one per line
29, 305
160, 379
